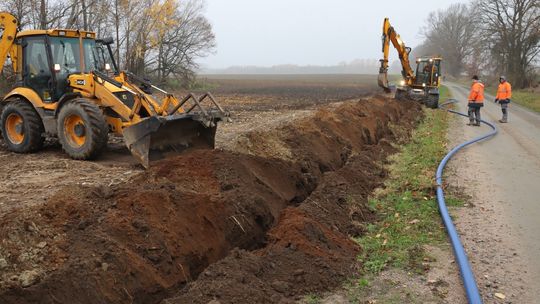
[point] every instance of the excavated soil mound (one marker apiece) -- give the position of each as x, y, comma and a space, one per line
268, 223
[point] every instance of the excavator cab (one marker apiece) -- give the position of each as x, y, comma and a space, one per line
424, 86
428, 72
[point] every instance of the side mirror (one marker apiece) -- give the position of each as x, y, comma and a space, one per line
107, 67
57, 68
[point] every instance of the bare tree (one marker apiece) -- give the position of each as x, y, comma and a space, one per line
451, 33
180, 45
167, 38
160, 39
511, 30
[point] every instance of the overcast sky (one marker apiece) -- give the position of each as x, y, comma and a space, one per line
303, 32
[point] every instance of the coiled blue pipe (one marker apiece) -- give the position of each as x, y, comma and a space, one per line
471, 289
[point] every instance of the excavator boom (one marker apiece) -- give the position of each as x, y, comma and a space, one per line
390, 35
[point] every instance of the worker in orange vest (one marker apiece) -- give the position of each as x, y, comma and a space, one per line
504, 94
476, 102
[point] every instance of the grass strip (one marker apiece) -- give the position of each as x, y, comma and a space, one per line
407, 206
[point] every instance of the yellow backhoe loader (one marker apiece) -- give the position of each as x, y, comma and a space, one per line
422, 85
64, 89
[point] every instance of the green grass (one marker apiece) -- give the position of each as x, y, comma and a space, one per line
528, 99
311, 299
197, 84
444, 94
408, 218
407, 207
202, 84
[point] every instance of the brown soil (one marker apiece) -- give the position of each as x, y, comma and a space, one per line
309, 249
143, 240
255, 225
289, 91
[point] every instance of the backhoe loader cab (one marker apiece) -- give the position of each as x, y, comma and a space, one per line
105, 56
50, 57
64, 88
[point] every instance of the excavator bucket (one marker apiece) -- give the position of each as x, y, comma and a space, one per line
158, 137
383, 82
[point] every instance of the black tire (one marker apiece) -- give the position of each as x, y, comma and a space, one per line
432, 101
88, 137
401, 95
29, 136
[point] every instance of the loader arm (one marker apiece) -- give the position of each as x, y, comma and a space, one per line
390, 36
8, 23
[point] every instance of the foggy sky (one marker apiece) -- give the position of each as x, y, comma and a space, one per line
304, 32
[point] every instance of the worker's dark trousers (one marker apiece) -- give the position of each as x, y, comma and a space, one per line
474, 112
504, 107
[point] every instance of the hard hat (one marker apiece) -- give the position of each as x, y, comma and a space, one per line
502, 77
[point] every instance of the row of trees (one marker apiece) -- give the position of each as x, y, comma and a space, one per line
161, 39
489, 37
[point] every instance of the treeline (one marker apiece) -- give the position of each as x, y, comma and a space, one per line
358, 66
160, 39
487, 37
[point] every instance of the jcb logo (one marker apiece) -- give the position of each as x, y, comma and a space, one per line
81, 82
124, 97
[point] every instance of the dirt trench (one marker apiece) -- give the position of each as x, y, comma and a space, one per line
268, 222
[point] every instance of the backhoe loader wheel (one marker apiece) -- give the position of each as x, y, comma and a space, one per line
82, 129
22, 128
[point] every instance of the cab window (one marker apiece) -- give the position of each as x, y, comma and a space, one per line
36, 68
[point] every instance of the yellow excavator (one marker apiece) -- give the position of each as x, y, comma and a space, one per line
66, 88
422, 84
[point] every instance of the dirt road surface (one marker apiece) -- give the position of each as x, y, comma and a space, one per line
502, 175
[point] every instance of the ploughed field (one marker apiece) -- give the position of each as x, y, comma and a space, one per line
265, 218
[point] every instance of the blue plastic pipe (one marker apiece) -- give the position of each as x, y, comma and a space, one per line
469, 282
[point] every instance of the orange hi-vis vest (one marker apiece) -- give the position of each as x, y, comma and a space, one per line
477, 93
504, 91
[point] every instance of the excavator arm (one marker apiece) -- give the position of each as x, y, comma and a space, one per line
390, 35
8, 24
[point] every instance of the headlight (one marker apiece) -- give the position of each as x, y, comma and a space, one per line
402, 83
423, 84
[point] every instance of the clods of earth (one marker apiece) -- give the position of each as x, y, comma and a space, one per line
268, 221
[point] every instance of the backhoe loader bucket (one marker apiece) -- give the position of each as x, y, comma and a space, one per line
161, 136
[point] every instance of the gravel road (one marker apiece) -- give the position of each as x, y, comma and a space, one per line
500, 230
